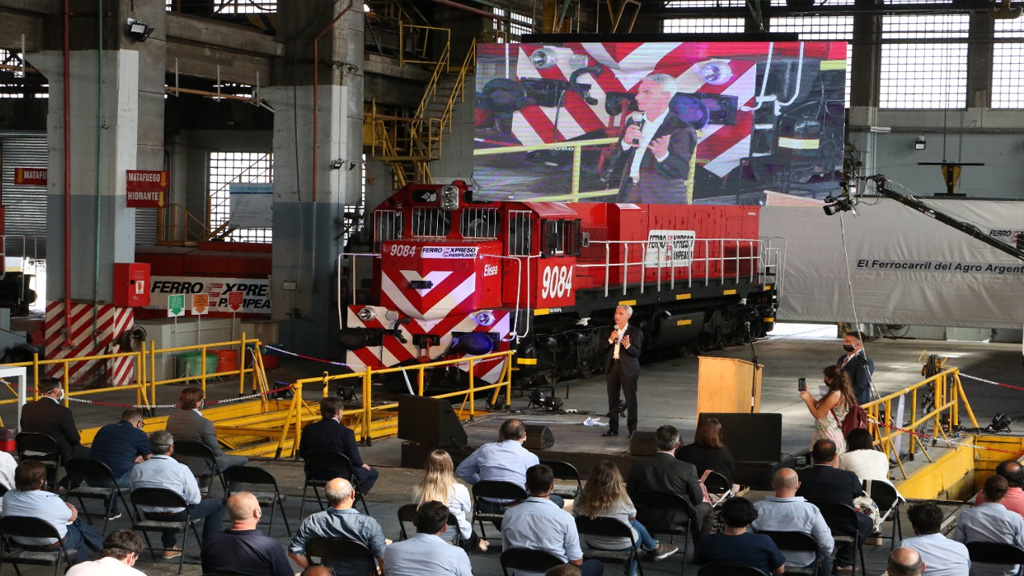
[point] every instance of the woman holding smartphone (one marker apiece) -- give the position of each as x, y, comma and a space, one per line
830, 410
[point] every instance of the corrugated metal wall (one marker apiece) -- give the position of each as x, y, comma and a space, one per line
25, 206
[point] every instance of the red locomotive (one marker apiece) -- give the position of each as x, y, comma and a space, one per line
452, 277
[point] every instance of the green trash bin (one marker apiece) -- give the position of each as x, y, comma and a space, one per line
190, 364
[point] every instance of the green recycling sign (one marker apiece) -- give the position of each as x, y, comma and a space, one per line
175, 305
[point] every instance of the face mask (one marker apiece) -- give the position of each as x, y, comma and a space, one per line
848, 348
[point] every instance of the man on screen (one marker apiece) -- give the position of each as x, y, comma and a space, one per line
652, 157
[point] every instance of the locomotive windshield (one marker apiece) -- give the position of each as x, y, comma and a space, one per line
562, 237
431, 222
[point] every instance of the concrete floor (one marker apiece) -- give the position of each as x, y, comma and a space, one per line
667, 393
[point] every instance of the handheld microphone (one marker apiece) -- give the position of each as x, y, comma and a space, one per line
637, 119
746, 326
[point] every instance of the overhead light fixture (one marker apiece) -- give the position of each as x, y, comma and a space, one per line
920, 143
138, 30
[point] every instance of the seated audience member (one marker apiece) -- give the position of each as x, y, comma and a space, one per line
708, 451
120, 552
318, 570
425, 553
163, 471
48, 416
503, 461
944, 557
29, 499
664, 473
330, 435
439, 484
538, 524
188, 424
905, 562
120, 446
604, 494
1014, 474
862, 459
340, 520
990, 521
738, 546
242, 549
7, 468
787, 512
822, 482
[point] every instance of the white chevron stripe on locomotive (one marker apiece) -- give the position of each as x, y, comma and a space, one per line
444, 305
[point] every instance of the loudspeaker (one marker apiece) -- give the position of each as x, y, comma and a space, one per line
429, 422
538, 437
642, 443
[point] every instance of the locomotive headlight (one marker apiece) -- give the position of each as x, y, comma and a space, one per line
484, 318
449, 197
367, 314
716, 73
544, 58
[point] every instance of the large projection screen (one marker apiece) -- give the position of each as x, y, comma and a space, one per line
659, 122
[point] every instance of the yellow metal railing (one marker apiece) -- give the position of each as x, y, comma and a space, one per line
947, 393
577, 146
363, 416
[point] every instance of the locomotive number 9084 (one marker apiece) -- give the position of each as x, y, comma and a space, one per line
556, 282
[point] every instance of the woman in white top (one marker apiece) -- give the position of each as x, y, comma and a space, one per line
439, 485
605, 495
862, 459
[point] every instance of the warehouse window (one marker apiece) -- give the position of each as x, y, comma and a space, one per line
1007, 54
11, 71
515, 28
924, 61
820, 28
227, 168
232, 6
702, 25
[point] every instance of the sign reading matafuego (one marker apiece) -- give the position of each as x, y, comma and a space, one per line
147, 188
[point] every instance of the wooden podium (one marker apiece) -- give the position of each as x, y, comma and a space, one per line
728, 385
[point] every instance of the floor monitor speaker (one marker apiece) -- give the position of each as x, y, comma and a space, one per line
429, 422
538, 437
642, 443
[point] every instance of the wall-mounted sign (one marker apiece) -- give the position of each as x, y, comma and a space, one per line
30, 176
147, 188
226, 295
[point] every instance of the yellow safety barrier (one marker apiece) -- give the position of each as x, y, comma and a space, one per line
577, 146
947, 393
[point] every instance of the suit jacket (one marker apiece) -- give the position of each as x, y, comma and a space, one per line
333, 436
823, 483
664, 473
660, 182
629, 358
860, 368
53, 419
188, 425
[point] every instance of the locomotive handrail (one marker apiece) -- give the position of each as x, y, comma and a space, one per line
754, 257
352, 275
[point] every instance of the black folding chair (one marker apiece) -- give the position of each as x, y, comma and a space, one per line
788, 542
200, 459
251, 478
889, 502
528, 560
610, 528
331, 461
996, 553
163, 498
728, 569
41, 447
345, 557
407, 513
494, 490
842, 521
572, 485
79, 472
31, 527
658, 512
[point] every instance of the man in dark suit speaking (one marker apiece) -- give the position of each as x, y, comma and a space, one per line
48, 416
652, 157
330, 435
622, 369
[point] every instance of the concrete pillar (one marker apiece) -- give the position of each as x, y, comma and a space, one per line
308, 223
116, 124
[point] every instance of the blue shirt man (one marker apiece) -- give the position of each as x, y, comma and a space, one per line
120, 446
787, 512
539, 524
341, 520
991, 522
426, 554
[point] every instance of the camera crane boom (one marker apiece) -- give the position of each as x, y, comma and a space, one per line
965, 227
